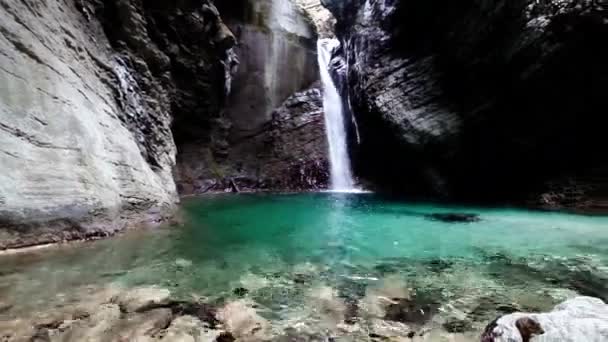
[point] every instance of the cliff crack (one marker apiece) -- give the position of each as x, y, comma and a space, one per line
32, 139
25, 49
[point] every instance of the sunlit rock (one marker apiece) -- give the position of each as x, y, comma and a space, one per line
578, 319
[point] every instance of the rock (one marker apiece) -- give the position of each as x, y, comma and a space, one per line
271, 134
467, 109
94, 93
453, 217
139, 299
240, 291
457, 326
4, 307
378, 298
145, 325
327, 306
291, 146
322, 18
183, 263
100, 326
578, 319
242, 321
411, 311
225, 337
389, 330
189, 329
16, 330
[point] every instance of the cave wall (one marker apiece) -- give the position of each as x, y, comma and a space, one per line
88, 93
480, 100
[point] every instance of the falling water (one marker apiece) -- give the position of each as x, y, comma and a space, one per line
341, 176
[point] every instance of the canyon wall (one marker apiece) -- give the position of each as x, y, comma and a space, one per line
99, 98
478, 100
276, 45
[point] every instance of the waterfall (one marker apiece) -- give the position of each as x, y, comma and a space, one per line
341, 176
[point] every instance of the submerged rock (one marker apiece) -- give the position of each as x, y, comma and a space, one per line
189, 329
453, 217
141, 298
242, 320
575, 320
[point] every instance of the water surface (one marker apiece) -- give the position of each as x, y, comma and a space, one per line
283, 248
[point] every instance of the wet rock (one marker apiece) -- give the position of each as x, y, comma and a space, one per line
389, 330
411, 311
454, 97
139, 299
457, 326
16, 330
578, 319
242, 321
240, 291
144, 325
378, 298
183, 263
202, 311
4, 307
453, 217
189, 329
327, 305
225, 337
100, 326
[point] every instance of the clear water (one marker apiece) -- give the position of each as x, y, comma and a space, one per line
282, 247
341, 175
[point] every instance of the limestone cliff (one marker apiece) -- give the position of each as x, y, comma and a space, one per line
276, 45
481, 100
99, 98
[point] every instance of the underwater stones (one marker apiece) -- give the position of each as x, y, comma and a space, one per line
242, 321
577, 319
388, 330
139, 299
240, 292
378, 297
144, 325
183, 263
253, 282
411, 311
189, 329
327, 305
453, 217
457, 326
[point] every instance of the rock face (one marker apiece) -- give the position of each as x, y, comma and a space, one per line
263, 140
578, 319
476, 99
289, 153
99, 97
322, 18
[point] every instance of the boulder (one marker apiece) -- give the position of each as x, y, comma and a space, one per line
575, 320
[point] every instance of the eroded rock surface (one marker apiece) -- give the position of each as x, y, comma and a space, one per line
90, 89
289, 153
477, 100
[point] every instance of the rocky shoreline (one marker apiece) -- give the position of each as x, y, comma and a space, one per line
388, 313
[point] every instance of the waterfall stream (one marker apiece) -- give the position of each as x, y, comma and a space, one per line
341, 175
